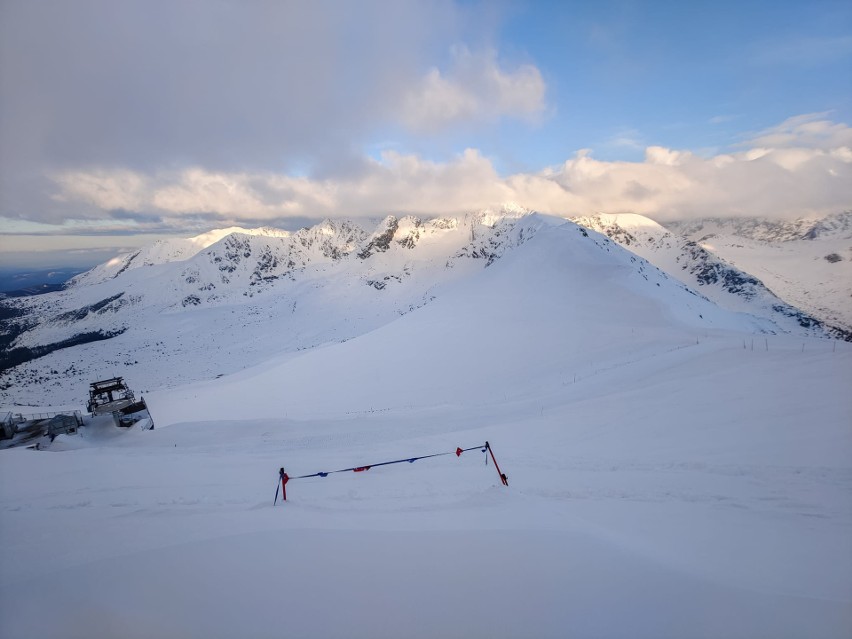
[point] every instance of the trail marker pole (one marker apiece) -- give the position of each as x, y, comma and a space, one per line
503, 477
283, 486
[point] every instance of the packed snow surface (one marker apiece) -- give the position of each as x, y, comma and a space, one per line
672, 472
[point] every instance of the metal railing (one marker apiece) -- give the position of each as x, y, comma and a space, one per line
20, 418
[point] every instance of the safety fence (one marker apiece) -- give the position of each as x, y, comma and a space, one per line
284, 478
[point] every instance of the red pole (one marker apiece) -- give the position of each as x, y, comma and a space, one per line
503, 477
284, 479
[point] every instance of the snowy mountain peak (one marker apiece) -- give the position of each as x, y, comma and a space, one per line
380, 240
632, 221
507, 213
837, 226
806, 262
210, 238
332, 239
625, 228
409, 230
694, 262
165, 251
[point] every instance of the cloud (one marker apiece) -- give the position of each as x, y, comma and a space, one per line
475, 88
200, 101
113, 189
808, 170
810, 130
225, 85
676, 184
399, 182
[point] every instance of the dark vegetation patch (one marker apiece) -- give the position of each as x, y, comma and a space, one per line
39, 289
21, 355
9, 312
81, 313
11, 324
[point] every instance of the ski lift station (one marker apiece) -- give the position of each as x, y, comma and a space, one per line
110, 402
113, 397
17, 429
109, 396
62, 424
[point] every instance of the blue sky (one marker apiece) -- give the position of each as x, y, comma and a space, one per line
688, 75
125, 120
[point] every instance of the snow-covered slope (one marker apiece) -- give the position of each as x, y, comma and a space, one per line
240, 300
807, 263
562, 292
669, 474
163, 251
697, 262
247, 297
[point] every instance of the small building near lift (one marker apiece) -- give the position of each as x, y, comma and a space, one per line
63, 424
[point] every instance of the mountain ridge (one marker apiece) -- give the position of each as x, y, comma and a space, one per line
766, 229
253, 295
809, 265
690, 263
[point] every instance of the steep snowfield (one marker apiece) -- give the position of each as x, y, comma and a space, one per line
694, 260
670, 474
807, 264
814, 275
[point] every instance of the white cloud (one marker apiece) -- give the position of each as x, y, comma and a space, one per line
789, 178
225, 85
108, 190
199, 190
161, 87
664, 156
811, 130
474, 88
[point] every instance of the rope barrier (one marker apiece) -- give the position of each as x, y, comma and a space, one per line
283, 477
410, 460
